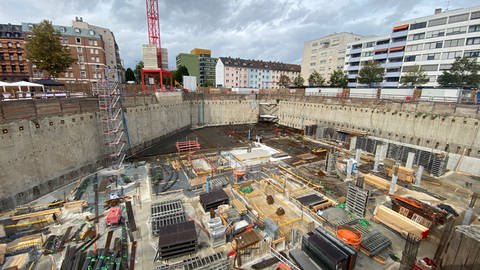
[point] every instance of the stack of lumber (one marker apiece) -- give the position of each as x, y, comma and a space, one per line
17, 262
75, 206
3, 250
56, 211
404, 174
377, 182
463, 248
399, 223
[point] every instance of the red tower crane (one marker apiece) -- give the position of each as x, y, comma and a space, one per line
153, 25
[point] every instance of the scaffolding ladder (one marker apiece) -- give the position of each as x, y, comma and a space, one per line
111, 117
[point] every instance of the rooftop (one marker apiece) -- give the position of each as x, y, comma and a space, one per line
66, 30
258, 64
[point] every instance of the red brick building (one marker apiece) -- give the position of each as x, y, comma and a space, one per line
13, 64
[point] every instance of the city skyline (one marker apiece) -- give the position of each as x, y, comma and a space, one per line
253, 29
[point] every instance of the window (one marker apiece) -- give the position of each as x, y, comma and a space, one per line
77, 30
410, 68
410, 58
445, 67
472, 53
10, 56
369, 44
436, 22
429, 67
9, 44
451, 55
433, 45
456, 30
95, 43
436, 33
81, 59
78, 40
385, 41
357, 46
20, 56
91, 32
8, 34
14, 68
473, 41
475, 15
458, 18
366, 54
431, 56
418, 25
91, 51
82, 67
416, 36
474, 28
90, 42
83, 74
22, 68
413, 48
92, 59
97, 59
17, 45
96, 51
454, 42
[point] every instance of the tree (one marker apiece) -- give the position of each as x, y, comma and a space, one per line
298, 81
129, 75
464, 73
415, 77
284, 81
46, 52
371, 73
179, 73
138, 71
338, 78
315, 79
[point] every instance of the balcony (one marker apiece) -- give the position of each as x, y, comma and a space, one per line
352, 84
396, 54
382, 46
354, 59
392, 65
390, 84
354, 51
392, 74
380, 56
349, 68
398, 43
399, 33
352, 76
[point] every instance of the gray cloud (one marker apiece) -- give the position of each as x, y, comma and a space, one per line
252, 29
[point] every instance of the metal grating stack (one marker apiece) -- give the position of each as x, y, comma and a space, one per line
357, 199
217, 261
176, 240
375, 242
216, 229
439, 164
166, 213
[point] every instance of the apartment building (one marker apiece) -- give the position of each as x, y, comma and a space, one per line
199, 63
434, 41
242, 73
112, 51
431, 42
325, 54
13, 62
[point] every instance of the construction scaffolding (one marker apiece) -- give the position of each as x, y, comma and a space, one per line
112, 119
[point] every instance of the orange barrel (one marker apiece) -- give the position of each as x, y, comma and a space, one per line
350, 236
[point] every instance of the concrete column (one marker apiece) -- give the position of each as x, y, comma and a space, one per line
394, 180
383, 152
358, 154
378, 153
418, 175
349, 169
353, 142
410, 159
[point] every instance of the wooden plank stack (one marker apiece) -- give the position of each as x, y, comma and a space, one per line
377, 182
463, 249
404, 174
399, 223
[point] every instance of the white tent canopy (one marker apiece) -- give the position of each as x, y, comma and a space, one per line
3, 84
27, 84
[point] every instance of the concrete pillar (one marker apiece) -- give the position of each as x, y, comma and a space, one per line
349, 169
358, 154
418, 175
410, 159
353, 142
394, 180
378, 153
468, 216
383, 152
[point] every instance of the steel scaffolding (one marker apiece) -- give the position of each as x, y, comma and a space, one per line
111, 116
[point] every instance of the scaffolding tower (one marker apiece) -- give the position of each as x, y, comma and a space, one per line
111, 117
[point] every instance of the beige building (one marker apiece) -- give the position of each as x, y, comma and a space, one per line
325, 54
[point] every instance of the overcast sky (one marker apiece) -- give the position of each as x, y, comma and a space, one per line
254, 29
